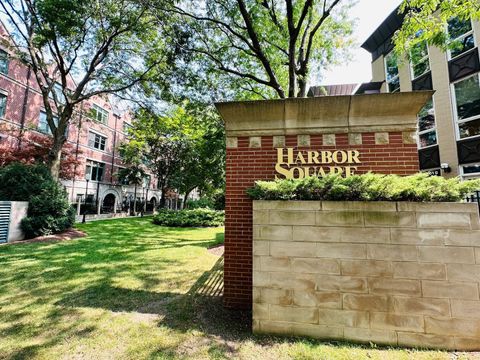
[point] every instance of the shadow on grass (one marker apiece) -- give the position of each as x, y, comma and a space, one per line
44, 285
201, 308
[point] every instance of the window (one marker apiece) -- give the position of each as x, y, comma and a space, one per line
94, 170
391, 69
58, 90
99, 114
3, 104
146, 181
471, 171
43, 124
467, 101
461, 36
427, 134
126, 127
3, 62
96, 141
419, 60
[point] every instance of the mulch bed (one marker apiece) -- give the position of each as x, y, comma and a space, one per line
63, 236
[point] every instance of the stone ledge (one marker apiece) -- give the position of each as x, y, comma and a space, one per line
316, 115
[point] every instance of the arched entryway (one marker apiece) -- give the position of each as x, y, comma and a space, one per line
152, 204
108, 205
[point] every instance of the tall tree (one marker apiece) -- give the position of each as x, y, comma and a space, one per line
426, 21
256, 48
184, 148
161, 142
204, 166
100, 43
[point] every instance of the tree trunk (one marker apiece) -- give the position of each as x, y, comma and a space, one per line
302, 87
163, 199
54, 159
186, 197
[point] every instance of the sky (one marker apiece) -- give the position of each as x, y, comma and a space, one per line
370, 14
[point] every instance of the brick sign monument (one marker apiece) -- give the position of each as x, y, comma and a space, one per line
391, 273
377, 131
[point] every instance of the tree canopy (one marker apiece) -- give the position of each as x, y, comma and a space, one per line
426, 21
183, 148
250, 48
80, 49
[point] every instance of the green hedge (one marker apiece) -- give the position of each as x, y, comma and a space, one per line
369, 187
48, 209
190, 218
215, 201
49, 212
18, 182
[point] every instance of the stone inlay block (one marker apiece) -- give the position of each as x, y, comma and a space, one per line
409, 137
255, 142
355, 139
231, 142
303, 140
382, 138
329, 139
279, 141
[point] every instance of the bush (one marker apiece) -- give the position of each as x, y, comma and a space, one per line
190, 218
48, 209
369, 187
215, 201
203, 203
19, 181
49, 212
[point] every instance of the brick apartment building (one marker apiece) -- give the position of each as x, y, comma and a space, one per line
95, 136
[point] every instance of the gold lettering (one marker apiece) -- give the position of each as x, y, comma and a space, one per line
336, 170
321, 172
307, 171
343, 158
313, 157
326, 157
289, 163
353, 157
350, 170
301, 173
281, 156
300, 159
285, 172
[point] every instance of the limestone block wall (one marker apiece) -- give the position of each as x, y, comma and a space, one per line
403, 274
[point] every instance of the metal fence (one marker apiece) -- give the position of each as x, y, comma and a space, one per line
474, 198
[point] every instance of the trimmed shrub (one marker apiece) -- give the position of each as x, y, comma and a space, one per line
190, 218
215, 201
49, 212
19, 181
368, 187
202, 203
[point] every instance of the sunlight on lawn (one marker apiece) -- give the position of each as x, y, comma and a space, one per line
134, 290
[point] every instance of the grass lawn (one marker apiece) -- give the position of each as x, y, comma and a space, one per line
133, 290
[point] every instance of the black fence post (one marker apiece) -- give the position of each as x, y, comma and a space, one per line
475, 197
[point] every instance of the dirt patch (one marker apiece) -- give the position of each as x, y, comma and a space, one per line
63, 236
217, 250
